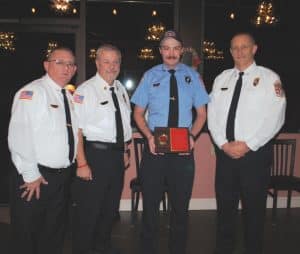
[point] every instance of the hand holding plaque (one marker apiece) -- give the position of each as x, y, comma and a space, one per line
171, 140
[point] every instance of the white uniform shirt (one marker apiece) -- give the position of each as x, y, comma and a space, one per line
37, 131
260, 112
96, 111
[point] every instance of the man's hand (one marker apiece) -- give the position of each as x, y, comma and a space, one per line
151, 144
84, 173
241, 148
32, 188
235, 149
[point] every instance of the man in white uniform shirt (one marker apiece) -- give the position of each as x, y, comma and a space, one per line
246, 111
42, 141
103, 109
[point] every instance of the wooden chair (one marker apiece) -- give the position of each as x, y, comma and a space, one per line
135, 184
282, 172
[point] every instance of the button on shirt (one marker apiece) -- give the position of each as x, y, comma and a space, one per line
95, 109
260, 112
153, 93
37, 131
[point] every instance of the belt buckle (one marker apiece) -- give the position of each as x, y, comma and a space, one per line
60, 170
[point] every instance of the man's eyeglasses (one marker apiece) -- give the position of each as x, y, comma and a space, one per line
62, 63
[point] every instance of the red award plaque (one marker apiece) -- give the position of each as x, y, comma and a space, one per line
171, 140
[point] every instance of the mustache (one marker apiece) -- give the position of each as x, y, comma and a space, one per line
172, 57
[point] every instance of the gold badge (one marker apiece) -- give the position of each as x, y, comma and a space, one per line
163, 139
255, 81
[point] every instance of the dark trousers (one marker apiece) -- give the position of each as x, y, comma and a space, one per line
38, 226
178, 172
96, 201
247, 179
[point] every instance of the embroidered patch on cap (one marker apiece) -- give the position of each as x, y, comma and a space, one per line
26, 95
78, 98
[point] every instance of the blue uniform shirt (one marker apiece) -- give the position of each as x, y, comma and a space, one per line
153, 93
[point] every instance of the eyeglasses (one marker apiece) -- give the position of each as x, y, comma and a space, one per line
62, 63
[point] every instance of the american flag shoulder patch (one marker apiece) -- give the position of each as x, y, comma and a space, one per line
26, 95
78, 98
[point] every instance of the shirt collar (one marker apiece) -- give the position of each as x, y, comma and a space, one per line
52, 83
103, 84
246, 71
177, 68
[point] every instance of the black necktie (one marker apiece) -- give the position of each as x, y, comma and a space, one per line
233, 107
69, 126
119, 125
173, 105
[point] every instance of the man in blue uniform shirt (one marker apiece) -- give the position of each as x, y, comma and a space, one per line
177, 170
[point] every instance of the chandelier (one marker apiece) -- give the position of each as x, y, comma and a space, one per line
155, 31
211, 52
146, 54
61, 6
51, 46
265, 14
92, 53
7, 41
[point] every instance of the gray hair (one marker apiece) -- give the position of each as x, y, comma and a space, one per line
108, 47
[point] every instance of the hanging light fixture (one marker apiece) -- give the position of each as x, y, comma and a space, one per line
92, 53
146, 54
265, 14
7, 41
51, 46
61, 6
211, 52
155, 31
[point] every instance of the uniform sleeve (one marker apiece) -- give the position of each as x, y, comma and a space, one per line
21, 139
127, 98
200, 95
273, 119
141, 96
80, 105
213, 126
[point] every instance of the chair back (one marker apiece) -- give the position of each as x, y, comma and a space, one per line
283, 157
139, 145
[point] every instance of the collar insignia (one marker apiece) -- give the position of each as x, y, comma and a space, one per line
188, 79
255, 81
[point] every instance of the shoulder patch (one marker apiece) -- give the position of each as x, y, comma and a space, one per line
78, 98
26, 95
278, 89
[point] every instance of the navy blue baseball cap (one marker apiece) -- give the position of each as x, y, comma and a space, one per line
171, 34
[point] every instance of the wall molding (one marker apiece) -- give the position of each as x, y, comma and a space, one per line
210, 203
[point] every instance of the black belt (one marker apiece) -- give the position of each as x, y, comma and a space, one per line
54, 170
104, 145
